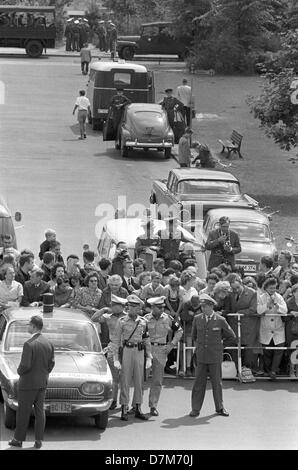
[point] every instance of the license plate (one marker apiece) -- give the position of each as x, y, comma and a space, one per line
60, 407
248, 267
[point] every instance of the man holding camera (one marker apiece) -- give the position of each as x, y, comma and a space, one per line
223, 243
132, 335
160, 324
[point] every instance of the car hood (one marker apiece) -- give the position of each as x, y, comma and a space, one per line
255, 250
68, 365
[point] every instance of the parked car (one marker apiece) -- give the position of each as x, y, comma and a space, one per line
127, 229
80, 383
253, 228
145, 126
154, 38
189, 193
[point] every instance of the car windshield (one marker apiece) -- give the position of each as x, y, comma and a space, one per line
250, 231
65, 335
208, 187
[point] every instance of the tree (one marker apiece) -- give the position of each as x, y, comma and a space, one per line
277, 114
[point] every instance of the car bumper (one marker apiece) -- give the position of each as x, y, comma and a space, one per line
130, 143
77, 409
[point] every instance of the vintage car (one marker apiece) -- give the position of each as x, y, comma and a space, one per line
154, 38
253, 228
127, 229
144, 126
80, 383
190, 192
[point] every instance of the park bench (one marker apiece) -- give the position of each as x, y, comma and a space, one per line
232, 145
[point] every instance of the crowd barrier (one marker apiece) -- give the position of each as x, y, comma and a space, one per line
293, 357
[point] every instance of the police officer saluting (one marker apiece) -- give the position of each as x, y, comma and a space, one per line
110, 316
132, 335
208, 331
159, 325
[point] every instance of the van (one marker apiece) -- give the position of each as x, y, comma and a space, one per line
7, 226
128, 229
104, 80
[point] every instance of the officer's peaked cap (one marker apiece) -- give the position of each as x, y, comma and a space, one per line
118, 300
157, 300
134, 299
205, 298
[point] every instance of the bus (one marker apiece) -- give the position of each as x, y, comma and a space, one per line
31, 28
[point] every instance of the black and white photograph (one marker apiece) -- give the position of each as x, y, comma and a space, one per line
148, 228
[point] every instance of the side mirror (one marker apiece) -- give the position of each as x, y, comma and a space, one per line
18, 216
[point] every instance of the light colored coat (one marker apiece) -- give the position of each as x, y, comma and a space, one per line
272, 327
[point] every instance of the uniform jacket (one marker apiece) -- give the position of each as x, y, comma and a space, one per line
208, 337
36, 363
161, 327
218, 255
125, 326
250, 322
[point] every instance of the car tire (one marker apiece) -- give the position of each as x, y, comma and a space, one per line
34, 49
124, 150
168, 152
9, 417
101, 420
127, 53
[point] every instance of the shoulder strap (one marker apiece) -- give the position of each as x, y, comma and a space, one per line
133, 330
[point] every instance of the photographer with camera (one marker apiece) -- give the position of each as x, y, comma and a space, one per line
223, 244
121, 254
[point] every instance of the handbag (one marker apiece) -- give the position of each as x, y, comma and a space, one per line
294, 326
246, 375
228, 367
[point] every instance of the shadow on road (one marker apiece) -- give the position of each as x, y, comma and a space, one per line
187, 421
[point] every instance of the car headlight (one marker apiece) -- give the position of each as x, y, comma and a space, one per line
92, 388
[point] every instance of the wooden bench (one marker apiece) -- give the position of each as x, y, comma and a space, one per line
232, 145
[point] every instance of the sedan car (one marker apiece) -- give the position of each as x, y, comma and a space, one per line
80, 383
253, 228
144, 126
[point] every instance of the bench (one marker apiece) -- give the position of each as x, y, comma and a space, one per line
232, 145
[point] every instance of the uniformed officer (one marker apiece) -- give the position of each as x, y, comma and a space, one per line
110, 316
117, 106
113, 40
171, 104
132, 335
208, 331
159, 325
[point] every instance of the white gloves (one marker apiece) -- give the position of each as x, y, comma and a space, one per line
117, 365
148, 362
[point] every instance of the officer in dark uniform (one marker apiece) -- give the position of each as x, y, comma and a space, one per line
132, 334
208, 331
159, 325
117, 106
102, 35
170, 105
113, 40
68, 34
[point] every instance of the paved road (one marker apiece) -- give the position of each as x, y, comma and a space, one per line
262, 416
46, 173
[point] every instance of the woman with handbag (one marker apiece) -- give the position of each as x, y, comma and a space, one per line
291, 325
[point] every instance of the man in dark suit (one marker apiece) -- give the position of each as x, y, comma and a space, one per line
36, 364
34, 289
224, 244
244, 301
208, 331
128, 281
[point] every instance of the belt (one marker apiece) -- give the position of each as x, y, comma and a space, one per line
159, 344
131, 345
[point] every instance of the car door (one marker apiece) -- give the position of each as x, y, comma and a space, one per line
149, 40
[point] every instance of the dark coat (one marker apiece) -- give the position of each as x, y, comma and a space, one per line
34, 293
218, 254
208, 337
36, 363
250, 322
291, 304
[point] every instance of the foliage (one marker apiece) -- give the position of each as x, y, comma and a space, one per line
277, 115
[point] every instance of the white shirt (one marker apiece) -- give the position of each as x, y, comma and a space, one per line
184, 94
271, 327
187, 294
82, 102
10, 294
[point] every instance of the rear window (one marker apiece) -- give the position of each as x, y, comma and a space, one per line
208, 187
149, 116
121, 78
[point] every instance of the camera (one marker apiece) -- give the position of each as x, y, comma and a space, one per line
141, 346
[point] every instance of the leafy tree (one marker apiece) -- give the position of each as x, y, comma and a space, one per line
277, 114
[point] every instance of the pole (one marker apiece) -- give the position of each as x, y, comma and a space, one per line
239, 346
